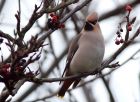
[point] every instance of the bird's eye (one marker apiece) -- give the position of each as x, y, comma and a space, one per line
93, 22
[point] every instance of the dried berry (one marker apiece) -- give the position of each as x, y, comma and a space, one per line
121, 41
55, 18
129, 24
129, 28
5, 71
117, 42
61, 26
30, 74
121, 30
119, 35
6, 66
19, 69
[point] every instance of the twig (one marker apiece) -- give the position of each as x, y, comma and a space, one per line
63, 5
36, 15
2, 3
53, 68
130, 57
106, 63
7, 36
5, 94
43, 75
65, 18
118, 10
127, 31
82, 84
108, 89
126, 44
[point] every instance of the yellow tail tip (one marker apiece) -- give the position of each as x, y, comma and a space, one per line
60, 96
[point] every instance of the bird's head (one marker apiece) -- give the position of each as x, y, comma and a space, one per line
91, 22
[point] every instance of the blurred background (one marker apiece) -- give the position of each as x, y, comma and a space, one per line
120, 85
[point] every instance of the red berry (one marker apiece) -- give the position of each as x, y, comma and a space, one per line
117, 42
62, 26
19, 69
30, 74
5, 71
55, 18
6, 66
121, 41
129, 28
128, 8
129, 24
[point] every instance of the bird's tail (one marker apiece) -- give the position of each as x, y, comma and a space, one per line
64, 88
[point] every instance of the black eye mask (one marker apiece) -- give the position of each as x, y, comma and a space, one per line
88, 27
93, 22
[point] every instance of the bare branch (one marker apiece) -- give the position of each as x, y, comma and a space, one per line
7, 36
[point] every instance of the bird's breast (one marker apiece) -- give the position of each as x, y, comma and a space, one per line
87, 58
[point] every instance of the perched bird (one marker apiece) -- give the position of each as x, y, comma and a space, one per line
85, 53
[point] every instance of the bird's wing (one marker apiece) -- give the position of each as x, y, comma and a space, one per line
72, 50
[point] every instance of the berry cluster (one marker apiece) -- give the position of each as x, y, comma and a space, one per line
19, 72
119, 38
5, 70
128, 8
129, 23
53, 22
9, 78
129, 26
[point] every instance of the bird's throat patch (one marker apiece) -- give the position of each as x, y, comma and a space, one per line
88, 27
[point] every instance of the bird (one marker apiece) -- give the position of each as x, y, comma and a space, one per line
85, 53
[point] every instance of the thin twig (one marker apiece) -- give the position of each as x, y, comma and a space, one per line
7, 36
65, 18
106, 63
